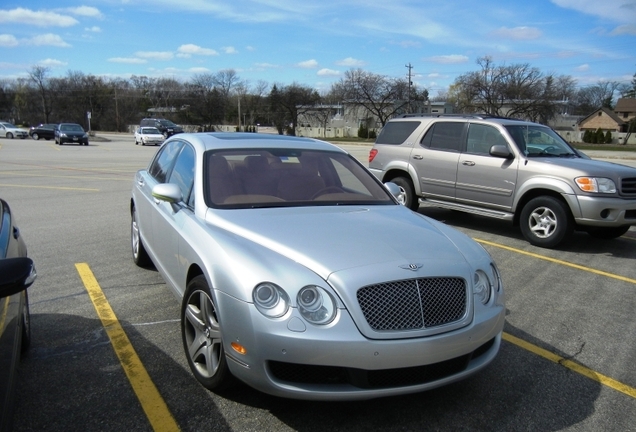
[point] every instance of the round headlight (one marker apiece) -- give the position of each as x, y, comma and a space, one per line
270, 300
481, 286
316, 305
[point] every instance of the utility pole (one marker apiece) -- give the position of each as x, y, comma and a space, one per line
409, 67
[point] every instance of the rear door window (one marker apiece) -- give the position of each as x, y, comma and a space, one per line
396, 132
447, 136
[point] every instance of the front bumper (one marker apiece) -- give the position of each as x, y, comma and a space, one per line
291, 358
79, 140
605, 212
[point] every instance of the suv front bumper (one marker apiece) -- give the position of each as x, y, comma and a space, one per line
605, 212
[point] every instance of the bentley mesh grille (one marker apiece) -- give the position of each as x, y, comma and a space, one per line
413, 304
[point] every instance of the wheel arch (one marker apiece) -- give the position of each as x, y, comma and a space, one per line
534, 193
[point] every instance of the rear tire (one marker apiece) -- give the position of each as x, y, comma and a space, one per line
202, 337
35, 136
546, 222
406, 187
9, 135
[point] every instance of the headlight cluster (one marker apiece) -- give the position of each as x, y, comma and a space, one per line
595, 184
485, 284
315, 304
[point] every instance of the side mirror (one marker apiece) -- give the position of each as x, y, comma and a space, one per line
502, 151
168, 192
396, 191
16, 275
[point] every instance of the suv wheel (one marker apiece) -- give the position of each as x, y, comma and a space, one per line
406, 187
546, 222
607, 233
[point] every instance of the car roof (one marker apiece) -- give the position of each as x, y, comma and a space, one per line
243, 140
463, 118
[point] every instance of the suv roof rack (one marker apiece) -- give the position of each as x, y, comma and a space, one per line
475, 116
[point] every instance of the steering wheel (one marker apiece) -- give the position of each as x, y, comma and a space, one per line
548, 149
327, 190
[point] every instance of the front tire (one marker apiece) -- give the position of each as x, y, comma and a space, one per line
406, 187
546, 222
9, 135
202, 337
139, 254
35, 136
26, 324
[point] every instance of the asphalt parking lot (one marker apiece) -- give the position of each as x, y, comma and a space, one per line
567, 362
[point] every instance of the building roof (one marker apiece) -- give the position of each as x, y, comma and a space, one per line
611, 114
626, 105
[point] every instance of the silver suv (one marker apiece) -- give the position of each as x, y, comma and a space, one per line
508, 169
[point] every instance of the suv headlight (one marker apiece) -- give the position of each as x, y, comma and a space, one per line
595, 184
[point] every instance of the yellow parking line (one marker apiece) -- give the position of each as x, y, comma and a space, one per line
49, 187
576, 367
56, 147
558, 261
151, 401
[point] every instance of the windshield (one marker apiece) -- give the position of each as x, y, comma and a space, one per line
167, 123
71, 128
8, 125
288, 177
539, 141
150, 131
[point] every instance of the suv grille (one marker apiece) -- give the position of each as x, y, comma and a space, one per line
413, 303
628, 186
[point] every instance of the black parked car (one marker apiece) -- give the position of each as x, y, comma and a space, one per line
17, 273
70, 133
166, 127
43, 130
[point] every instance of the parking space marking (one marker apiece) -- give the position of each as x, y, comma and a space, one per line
558, 261
576, 367
149, 397
49, 187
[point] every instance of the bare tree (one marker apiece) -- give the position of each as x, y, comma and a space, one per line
39, 75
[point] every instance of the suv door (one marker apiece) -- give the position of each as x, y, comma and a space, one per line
483, 179
435, 159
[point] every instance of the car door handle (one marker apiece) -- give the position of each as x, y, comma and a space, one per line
418, 157
468, 163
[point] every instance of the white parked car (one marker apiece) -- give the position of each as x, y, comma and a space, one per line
299, 273
9, 130
148, 136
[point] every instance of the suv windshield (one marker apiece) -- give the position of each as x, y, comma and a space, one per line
539, 141
167, 123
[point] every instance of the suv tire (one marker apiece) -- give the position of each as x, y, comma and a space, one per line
546, 222
406, 186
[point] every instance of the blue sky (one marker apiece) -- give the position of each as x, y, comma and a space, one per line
314, 43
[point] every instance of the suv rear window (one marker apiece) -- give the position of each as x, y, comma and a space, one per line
396, 132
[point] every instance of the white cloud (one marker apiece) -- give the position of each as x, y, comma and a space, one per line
39, 18
627, 29
155, 55
351, 62
582, 68
614, 10
309, 64
328, 72
48, 39
190, 49
129, 60
52, 63
7, 40
93, 29
265, 65
86, 11
199, 70
518, 33
448, 59
230, 50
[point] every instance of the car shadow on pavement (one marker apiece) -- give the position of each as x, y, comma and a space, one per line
76, 382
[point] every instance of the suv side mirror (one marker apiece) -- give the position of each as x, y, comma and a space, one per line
502, 151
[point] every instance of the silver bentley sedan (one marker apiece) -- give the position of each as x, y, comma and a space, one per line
300, 274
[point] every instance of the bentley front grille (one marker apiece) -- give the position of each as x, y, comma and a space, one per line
413, 304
